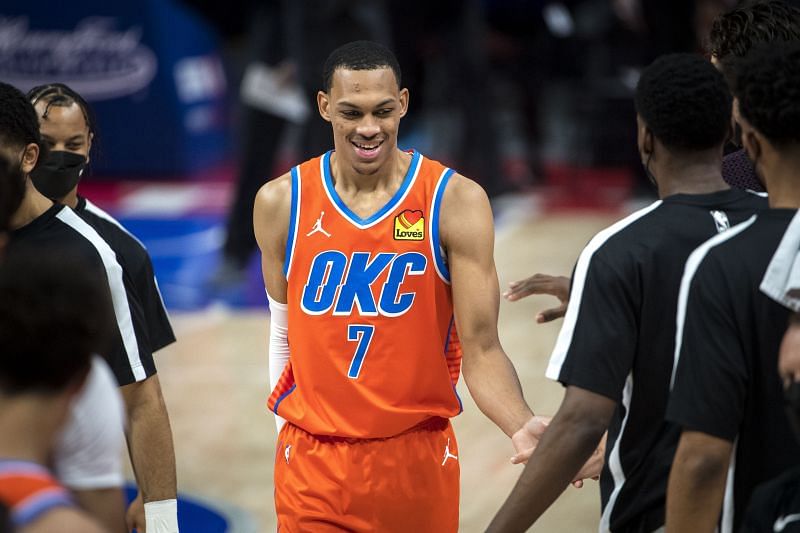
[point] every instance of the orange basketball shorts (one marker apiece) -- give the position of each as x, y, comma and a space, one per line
406, 483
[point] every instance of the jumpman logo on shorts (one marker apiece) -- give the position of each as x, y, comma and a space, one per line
447, 454
286, 453
318, 227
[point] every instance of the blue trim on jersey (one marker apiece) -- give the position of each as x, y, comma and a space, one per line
460, 405
287, 260
437, 202
446, 342
22, 516
16, 466
390, 205
283, 396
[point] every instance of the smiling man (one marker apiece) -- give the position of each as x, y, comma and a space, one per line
373, 258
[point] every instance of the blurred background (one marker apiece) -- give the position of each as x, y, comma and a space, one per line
199, 102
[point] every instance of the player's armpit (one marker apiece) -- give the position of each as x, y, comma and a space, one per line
271, 214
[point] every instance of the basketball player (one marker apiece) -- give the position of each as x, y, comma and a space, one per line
733, 35
51, 321
727, 396
371, 304
614, 351
52, 229
67, 129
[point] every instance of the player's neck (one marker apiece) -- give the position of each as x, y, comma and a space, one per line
34, 204
782, 179
700, 179
388, 177
28, 429
687, 171
71, 199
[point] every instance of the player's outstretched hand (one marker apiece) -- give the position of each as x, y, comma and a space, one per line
557, 286
593, 466
527, 438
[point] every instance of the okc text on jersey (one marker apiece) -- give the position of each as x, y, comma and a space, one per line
341, 283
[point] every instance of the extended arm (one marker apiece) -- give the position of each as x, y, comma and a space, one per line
150, 442
569, 441
468, 237
697, 482
271, 222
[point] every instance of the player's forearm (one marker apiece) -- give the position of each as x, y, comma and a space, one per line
495, 387
150, 440
562, 451
695, 491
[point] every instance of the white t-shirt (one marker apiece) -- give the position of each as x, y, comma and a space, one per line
88, 454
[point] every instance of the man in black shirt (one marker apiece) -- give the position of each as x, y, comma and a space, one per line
614, 351
727, 395
58, 231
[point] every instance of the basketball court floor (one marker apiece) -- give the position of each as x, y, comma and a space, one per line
215, 378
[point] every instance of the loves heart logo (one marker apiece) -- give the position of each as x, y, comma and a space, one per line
408, 218
409, 226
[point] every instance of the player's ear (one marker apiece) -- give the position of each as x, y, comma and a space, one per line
29, 158
404, 96
323, 104
644, 137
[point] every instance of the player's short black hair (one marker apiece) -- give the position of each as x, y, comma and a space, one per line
58, 94
685, 102
735, 33
12, 191
359, 55
53, 317
19, 125
767, 86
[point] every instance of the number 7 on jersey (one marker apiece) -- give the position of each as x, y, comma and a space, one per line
361, 334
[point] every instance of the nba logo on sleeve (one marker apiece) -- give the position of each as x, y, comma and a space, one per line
409, 226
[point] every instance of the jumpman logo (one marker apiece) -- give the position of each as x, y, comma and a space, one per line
286, 453
318, 227
447, 454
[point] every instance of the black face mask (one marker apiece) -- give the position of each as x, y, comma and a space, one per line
59, 174
791, 396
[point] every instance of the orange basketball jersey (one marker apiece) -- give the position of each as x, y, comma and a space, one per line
372, 340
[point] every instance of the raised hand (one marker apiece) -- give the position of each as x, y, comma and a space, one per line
557, 286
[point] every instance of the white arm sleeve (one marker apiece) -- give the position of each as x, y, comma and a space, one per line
88, 453
278, 345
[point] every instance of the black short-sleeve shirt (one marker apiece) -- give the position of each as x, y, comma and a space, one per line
137, 268
726, 381
61, 231
618, 340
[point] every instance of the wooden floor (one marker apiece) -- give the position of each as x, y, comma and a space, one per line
215, 381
